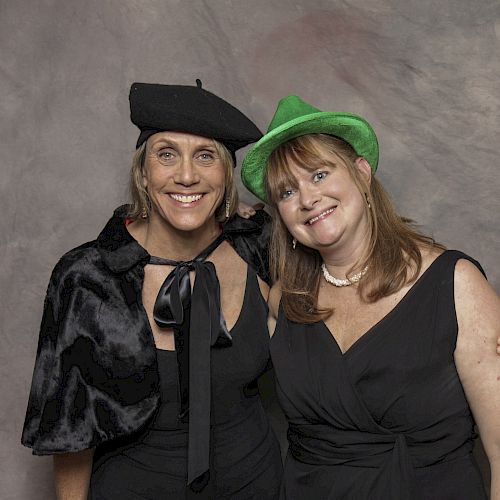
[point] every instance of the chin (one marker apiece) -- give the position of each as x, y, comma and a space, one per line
322, 242
188, 225
190, 222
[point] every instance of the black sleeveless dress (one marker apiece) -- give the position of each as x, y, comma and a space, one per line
387, 420
245, 455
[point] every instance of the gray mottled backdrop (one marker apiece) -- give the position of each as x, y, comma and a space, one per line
425, 73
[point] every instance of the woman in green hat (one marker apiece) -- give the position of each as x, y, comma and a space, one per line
382, 338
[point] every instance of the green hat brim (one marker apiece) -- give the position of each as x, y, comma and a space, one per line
351, 128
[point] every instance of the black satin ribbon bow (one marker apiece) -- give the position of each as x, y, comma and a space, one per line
198, 324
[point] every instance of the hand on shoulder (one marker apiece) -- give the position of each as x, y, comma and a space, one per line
246, 211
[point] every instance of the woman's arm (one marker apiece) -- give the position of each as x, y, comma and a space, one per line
274, 303
72, 474
478, 314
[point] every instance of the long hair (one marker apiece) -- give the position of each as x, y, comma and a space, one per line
392, 256
139, 195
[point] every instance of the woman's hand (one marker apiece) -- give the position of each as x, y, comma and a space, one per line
478, 315
72, 474
246, 211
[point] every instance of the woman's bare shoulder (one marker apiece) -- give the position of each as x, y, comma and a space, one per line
429, 255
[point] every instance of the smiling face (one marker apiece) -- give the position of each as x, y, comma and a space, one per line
184, 176
319, 196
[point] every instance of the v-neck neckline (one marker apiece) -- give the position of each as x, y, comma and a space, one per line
369, 333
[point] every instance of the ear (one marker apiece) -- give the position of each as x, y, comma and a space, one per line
144, 177
364, 169
145, 162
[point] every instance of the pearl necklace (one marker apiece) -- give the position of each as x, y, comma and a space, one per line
342, 282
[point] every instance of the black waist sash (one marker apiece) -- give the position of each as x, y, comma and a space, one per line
198, 325
321, 444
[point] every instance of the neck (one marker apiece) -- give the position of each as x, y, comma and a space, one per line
340, 265
162, 240
343, 258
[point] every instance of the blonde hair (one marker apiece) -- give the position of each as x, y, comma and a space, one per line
139, 194
393, 255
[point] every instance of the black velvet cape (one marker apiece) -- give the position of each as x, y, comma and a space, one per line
95, 375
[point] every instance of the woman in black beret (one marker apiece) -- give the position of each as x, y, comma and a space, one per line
154, 335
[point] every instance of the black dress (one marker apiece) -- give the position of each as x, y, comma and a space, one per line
245, 456
388, 419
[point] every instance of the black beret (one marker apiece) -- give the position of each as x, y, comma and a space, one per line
191, 109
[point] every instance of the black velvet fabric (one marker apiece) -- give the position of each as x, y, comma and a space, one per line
95, 375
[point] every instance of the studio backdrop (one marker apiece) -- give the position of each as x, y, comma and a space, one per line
424, 73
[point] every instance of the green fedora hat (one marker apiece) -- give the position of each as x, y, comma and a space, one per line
294, 118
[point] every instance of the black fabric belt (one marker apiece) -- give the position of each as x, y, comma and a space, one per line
321, 444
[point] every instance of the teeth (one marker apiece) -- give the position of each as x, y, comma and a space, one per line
186, 198
322, 214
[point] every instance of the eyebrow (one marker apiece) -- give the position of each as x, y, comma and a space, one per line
172, 143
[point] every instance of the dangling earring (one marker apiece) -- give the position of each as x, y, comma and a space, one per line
228, 206
145, 209
367, 200
294, 244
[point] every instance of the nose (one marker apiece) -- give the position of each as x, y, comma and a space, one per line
308, 196
186, 174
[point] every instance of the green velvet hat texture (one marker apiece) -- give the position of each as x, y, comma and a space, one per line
294, 118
